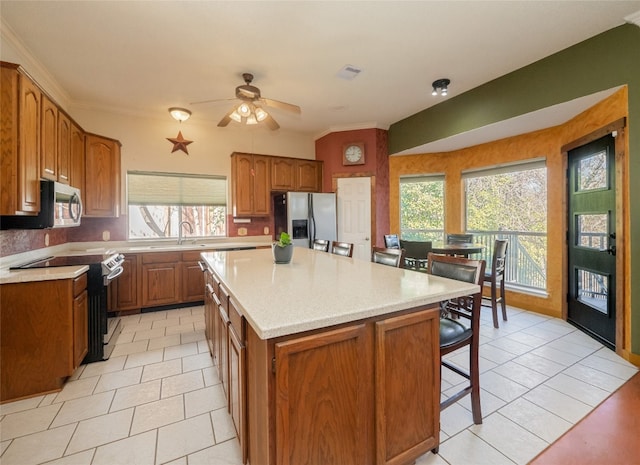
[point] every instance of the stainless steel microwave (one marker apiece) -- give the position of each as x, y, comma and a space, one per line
60, 207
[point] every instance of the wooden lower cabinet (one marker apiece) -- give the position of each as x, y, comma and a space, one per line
363, 393
41, 344
125, 288
237, 388
322, 393
160, 281
191, 277
80, 320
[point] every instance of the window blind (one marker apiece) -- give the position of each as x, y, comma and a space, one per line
422, 178
176, 189
532, 164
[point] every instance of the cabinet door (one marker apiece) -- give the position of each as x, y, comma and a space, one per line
160, 284
237, 389
308, 176
334, 368
192, 282
407, 369
261, 186
64, 148
222, 351
80, 328
102, 177
49, 140
125, 288
29, 147
209, 305
282, 174
242, 179
76, 162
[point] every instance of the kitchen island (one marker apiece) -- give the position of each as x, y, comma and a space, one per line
327, 359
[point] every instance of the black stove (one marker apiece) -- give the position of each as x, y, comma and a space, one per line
103, 269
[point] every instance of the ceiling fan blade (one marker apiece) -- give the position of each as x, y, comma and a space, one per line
281, 105
226, 119
272, 123
212, 101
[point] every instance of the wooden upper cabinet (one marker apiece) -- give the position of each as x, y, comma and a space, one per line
76, 158
64, 148
282, 174
49, 140
251, 186
19, 143
308, 176
102, 177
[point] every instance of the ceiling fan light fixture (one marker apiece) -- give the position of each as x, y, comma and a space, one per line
179, 114
261, 115
244, 110
236, 116
251, 119
440, 86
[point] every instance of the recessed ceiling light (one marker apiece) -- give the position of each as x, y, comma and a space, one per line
349, 72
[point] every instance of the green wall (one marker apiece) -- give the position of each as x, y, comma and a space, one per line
602, 62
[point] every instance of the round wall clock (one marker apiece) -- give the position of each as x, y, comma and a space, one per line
353, 154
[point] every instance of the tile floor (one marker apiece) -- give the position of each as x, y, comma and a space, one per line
158, 399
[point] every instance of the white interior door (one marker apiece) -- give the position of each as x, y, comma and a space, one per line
354, 215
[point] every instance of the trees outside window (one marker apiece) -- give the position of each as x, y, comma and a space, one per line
511, 203
422, 208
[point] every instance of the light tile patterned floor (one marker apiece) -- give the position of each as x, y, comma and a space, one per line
158, 399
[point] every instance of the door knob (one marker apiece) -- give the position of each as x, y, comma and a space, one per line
611, 250
366, 238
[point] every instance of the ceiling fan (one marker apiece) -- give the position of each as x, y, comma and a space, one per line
250, 110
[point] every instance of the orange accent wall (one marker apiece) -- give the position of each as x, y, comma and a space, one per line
544, 143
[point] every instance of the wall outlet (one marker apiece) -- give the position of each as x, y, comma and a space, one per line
46, 240
265, 231
242, 231
106, 235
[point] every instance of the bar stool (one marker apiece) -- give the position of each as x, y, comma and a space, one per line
495, 276
342, 248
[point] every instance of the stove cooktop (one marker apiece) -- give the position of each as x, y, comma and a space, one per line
62, 261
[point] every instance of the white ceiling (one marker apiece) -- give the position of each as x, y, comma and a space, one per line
146, 56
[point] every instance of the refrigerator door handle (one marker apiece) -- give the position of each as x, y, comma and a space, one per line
312, 220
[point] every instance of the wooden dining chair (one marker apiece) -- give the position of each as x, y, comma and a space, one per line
416, 254
386, 256
321, 244
460, 325
391, 241
459, 238
495, 276
342, 248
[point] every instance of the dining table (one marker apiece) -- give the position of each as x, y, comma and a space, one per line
463, 249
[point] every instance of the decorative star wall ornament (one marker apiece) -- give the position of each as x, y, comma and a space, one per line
179, 143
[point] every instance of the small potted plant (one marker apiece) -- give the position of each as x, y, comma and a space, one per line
282, 249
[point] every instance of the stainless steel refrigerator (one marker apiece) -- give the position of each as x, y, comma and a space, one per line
305, 216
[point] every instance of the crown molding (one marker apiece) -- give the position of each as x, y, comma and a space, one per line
633, 18
32, 65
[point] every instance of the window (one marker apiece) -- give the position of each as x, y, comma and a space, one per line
422, 208
510, 202
158, 203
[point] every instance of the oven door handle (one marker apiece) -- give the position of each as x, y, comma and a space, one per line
114, 274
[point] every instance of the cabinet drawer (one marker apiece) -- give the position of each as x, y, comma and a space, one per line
237, 320
161, 257
79, 284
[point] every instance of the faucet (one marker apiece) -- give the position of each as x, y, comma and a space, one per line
180, 239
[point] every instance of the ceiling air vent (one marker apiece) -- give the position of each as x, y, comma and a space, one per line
348, 72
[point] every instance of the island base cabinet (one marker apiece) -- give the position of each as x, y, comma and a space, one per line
330, 368
407, 367
361, 393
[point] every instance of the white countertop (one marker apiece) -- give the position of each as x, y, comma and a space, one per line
319, 289
42, 274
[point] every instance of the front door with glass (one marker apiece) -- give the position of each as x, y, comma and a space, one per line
591, 241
